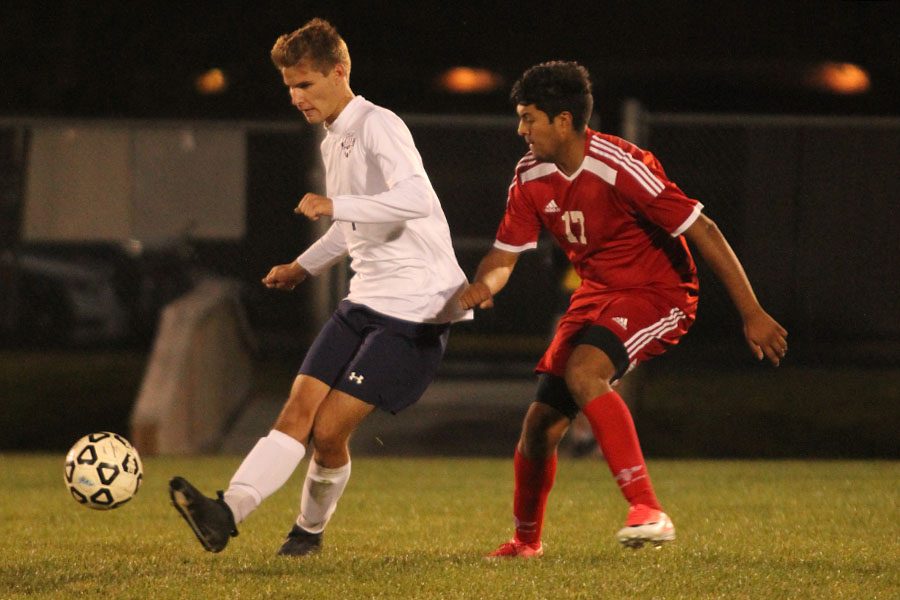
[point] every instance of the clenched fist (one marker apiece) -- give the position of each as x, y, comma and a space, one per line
313, 206
477, 294
285, 277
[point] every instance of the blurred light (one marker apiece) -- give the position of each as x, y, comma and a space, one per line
466, 80
133, 247
840, 78
211, 82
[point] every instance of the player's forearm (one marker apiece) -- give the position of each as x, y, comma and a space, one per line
494, 269
325, 252
495, 278
407, 199
718, 254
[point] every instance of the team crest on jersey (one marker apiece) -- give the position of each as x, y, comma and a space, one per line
552, 207
621, 322
347, 143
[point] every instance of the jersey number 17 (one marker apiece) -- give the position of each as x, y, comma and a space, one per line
574, 217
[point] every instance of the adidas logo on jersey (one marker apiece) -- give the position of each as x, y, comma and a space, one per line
552, 207
621, 322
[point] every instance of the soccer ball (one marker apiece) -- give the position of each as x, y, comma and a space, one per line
103, 471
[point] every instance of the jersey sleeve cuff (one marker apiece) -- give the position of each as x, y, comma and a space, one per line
302, 266
340, 205
689, 221
509, 248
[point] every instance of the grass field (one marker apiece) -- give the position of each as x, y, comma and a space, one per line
417, 528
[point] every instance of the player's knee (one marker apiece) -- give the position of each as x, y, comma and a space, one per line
586, 385
542, 432
300, 409
329, 441
295, 416
588, 374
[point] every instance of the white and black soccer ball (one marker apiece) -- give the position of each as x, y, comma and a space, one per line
103, 471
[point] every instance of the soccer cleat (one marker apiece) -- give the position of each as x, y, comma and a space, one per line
646, 525
516, 549
210, 519
300, 542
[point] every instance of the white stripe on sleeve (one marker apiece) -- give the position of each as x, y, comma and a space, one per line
501, 246
636, 168
689, 221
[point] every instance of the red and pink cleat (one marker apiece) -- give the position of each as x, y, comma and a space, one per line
516, 549
646, 525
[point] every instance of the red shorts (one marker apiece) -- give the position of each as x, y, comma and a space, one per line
646, 322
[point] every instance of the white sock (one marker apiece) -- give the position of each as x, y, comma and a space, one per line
321, 491
268, 466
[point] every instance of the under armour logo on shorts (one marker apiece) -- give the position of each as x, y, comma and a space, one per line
357, 379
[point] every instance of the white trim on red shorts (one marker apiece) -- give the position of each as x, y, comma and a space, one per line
655, 331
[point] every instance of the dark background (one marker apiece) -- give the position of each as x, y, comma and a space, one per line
825, 265
140, 59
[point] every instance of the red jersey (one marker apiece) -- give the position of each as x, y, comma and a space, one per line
618, 217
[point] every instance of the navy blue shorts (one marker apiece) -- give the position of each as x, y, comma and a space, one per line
381, 360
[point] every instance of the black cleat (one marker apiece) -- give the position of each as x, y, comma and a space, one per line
300, 542
211, 520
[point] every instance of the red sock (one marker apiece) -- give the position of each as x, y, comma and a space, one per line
611, 422
533, 482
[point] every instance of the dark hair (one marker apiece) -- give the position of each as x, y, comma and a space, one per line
318, 41
554, 87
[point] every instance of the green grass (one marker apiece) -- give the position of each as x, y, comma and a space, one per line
417, 528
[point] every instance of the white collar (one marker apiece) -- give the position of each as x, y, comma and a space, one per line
339, 125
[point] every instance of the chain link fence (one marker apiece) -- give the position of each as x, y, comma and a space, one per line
106, 222
808, 204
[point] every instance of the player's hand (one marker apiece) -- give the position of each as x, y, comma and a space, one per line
285, 277
313, 206
477, 294
765, 337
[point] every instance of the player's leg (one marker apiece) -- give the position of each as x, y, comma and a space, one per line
534, 464
580, 440
262, 472
329, 470
601, 355
393, 366
273, 459
588, 376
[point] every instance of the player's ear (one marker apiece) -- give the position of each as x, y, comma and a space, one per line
341, 70
563, 120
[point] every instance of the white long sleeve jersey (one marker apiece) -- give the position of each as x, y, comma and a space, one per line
388, 218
